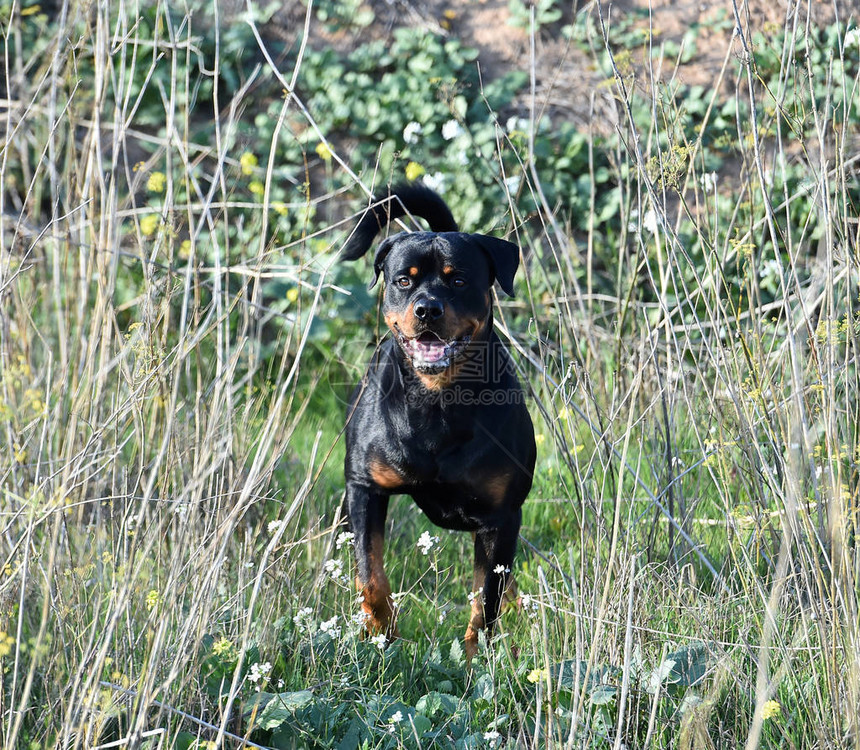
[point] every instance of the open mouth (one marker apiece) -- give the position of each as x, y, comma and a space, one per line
429, 352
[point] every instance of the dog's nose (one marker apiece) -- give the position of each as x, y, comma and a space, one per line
428, 309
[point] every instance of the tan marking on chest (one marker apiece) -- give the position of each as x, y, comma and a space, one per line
383, 475
495, 487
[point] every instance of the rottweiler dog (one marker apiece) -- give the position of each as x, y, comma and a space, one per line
439, 414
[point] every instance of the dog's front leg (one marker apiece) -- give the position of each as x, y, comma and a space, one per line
367, 511
494, 556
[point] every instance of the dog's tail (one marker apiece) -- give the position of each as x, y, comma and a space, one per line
417, 200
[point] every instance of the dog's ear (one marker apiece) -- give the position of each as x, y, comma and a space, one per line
379, 259
504, 258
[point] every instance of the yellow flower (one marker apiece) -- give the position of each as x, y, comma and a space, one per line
257, 187
185, 249
119, 678
156, 182
248, 161
224, 649
6, 643
414, 170
323, 151
153, 599
293, 293
280, 207
34, 398
564, 413
536, 675
540, 438
19, 453
149, 223
770, 710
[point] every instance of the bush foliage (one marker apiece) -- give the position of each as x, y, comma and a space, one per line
177, 340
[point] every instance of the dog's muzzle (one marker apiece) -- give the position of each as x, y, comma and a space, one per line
431, 353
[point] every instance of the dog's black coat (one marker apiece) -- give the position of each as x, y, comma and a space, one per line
439, 415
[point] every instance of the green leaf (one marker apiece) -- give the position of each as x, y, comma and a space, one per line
484, 688
659, 676
184, 741
691, 663
277, 708
457, 655
603, 695
435, 702
571, 674
421, 723
352, 738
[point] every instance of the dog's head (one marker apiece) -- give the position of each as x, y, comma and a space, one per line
437, 299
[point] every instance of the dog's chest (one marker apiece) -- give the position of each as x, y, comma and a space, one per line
438, 451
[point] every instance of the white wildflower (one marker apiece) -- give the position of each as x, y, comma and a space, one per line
709, 182
345, 537
335, 569
426, 542
412, 131
259, 672
501, 570
274, 526
475, 594
650, 222
331, 627
303, 619
514, 124
529, 604
435, 181
395, 718
451, 129
512, 183
852, 38
492, 736
379, 641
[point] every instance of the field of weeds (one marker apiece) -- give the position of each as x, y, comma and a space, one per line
178, 338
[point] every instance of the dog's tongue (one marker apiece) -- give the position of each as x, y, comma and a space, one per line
428, 347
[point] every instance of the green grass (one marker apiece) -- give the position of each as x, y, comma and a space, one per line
177, 342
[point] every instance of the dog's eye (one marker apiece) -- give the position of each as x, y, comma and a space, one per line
458, 282
403, 281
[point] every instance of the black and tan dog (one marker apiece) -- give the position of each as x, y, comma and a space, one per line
439, 415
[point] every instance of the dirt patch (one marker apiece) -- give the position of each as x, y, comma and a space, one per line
567, 80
